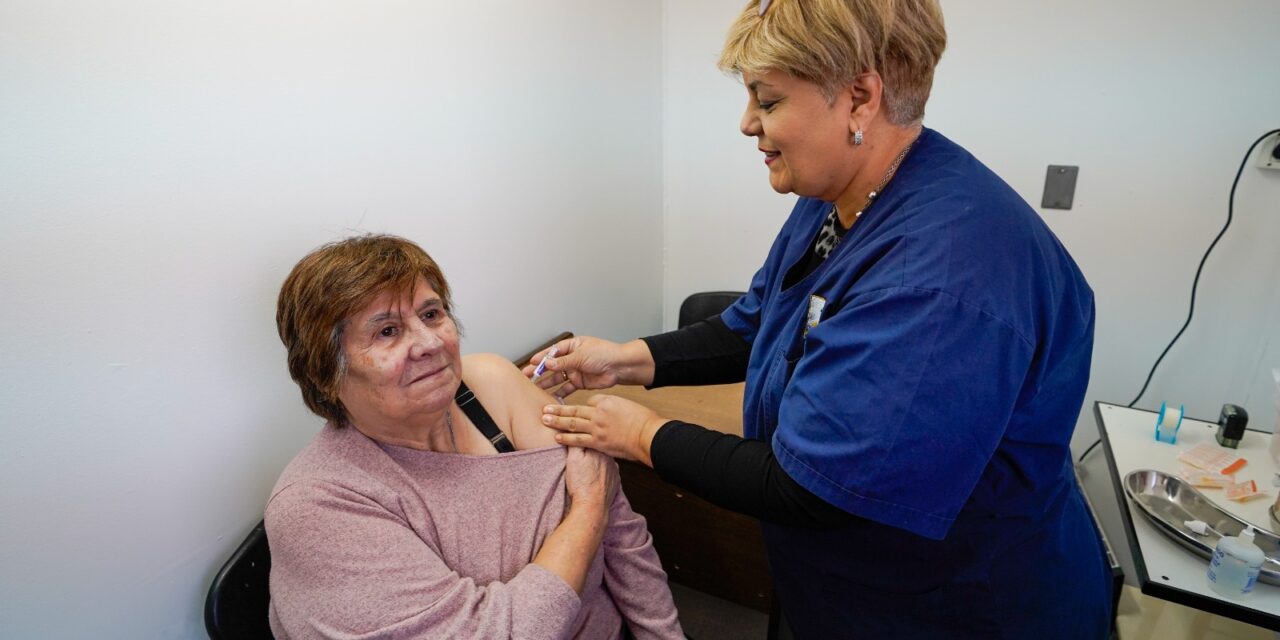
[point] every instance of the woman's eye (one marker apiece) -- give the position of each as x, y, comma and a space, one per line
768, 106
388, 332
428, 316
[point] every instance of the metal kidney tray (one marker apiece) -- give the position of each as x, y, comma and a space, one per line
1168, 502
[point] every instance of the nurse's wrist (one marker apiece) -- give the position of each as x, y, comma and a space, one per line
644, 440
635, 363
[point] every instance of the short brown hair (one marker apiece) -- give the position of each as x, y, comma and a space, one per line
830, 42
329, 285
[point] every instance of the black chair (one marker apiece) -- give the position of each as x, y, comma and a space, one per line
700, 306
236, 607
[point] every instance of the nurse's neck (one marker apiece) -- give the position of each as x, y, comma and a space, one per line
883, 149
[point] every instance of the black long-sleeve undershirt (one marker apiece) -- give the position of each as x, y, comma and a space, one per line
738, 474
705, 352
733, 472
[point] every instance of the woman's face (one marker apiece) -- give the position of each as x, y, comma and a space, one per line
804, 137
402, 358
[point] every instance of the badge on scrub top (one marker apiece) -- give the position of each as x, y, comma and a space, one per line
816, 305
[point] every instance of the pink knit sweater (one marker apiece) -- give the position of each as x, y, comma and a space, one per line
378, 541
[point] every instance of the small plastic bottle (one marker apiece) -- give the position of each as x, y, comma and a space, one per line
1235, 565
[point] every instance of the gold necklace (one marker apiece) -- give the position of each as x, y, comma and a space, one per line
448, 420
888, 175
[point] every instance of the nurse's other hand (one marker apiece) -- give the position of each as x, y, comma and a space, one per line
584, 362
608, 424
591, 479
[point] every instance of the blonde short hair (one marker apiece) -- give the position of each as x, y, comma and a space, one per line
830, 42
325, 288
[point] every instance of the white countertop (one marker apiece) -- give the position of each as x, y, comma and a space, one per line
1166, 569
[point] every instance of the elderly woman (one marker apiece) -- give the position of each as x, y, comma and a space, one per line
403, 518
915, 347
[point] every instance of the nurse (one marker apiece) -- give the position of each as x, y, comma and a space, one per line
915, 347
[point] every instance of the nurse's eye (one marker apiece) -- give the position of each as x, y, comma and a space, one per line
768, 106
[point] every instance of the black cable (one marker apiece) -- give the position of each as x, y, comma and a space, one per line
1091, 447
1231, 204
1231, 201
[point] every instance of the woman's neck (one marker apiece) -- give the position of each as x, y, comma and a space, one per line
431, 432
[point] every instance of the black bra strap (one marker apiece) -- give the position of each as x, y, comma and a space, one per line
470, 405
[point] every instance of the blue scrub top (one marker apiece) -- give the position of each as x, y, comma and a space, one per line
927, 377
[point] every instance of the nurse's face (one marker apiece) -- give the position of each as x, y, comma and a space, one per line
804, 136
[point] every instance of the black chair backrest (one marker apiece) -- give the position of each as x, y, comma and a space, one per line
700, 306
236, 606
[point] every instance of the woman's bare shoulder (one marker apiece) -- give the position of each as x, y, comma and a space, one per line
512, 399
485, 366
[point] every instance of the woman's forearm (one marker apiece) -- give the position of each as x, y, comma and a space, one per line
569, 550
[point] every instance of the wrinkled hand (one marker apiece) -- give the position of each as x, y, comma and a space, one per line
591, 478
583, 362
609, 424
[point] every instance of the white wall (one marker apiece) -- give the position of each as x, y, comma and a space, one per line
162, 166
1156, 101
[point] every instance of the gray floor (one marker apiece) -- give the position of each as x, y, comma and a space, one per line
707, 617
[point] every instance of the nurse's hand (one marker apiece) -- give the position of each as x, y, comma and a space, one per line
608, 424
583, 362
